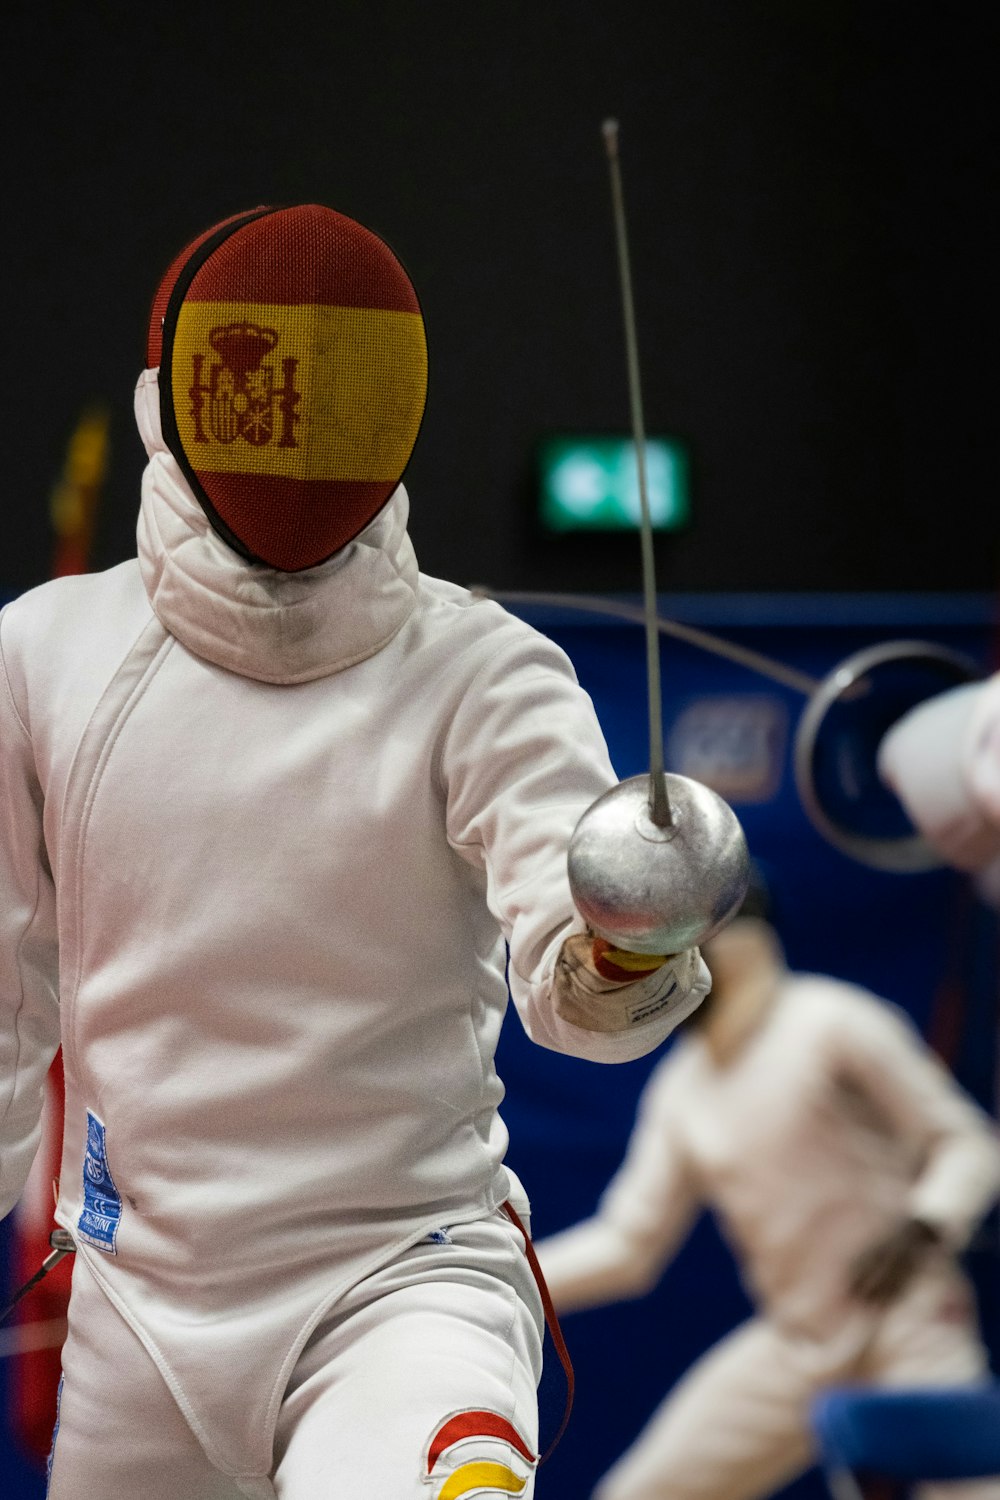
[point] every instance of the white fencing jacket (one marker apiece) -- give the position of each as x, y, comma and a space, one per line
830, 1124
262, 839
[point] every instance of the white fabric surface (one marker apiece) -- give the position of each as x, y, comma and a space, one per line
440, 1329
265, 838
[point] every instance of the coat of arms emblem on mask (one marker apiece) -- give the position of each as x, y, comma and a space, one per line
242, 398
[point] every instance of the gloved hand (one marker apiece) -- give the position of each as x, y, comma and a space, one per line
882, 1271
602, 988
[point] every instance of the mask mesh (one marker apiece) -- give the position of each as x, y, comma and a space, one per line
293, 379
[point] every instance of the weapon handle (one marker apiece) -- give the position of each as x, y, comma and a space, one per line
63, 1244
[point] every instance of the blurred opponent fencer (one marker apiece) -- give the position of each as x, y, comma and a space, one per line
847, 1171
274, 806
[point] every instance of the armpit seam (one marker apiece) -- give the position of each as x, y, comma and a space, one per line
10, 693
20, 1009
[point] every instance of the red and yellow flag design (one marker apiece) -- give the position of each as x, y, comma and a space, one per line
293, 377
483, 1473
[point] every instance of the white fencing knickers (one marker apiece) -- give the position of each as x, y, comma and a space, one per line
419, 1384
736, 1426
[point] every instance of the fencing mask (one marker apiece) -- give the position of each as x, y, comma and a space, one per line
292, 376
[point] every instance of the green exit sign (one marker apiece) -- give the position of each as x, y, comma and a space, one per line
592, 484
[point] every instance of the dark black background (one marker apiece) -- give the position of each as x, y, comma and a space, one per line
808, 185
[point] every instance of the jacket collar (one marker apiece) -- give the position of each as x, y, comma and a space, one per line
257, 621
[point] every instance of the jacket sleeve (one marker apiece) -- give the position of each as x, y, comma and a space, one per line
29, 1010
643, 1214
956, 1145
942, 760
524, 757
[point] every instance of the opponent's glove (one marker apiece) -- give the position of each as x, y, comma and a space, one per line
884, 1269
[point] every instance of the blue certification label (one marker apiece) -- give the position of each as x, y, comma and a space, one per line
102, 1205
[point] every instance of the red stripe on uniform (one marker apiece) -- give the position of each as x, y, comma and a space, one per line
470, 1424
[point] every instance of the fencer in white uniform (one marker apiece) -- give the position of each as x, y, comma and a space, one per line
275, 808
847, 1171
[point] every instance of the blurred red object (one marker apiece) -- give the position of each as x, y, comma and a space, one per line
42, 1315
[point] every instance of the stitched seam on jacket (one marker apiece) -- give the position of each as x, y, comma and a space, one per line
93, 714
20, 1008
10, 690
124, 714
94, 786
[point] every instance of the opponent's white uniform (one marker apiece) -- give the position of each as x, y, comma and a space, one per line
829, 1126
262, 837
